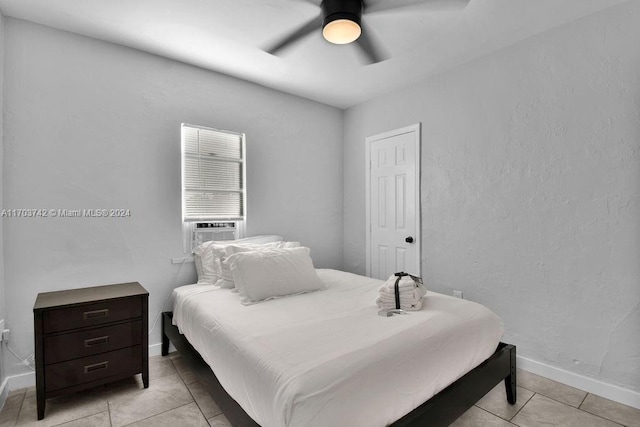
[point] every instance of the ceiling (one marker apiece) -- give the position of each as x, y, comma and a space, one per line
227, 36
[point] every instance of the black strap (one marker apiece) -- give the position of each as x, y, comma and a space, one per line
397, 287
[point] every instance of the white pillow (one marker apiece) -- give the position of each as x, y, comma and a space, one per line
207, 256
225, 279
268, 274
207, 264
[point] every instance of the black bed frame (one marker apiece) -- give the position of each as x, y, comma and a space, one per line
441, 410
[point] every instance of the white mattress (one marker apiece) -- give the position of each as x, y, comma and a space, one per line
326, 358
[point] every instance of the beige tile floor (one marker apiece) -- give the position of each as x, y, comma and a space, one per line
176, 398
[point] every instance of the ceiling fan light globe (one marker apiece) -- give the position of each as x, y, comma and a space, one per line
341, 31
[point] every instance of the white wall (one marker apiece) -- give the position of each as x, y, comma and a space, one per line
530, 189
89, 124
2, 302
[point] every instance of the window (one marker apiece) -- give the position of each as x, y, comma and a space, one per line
213, 174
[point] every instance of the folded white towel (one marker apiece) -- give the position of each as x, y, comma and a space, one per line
389, 285
416, 292
393, 300
410, 306
410, 294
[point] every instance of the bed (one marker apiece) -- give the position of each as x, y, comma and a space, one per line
327, 358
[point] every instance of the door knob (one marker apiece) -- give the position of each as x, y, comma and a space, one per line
409, 239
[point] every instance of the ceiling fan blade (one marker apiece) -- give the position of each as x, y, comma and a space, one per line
371, 50
300, 32
437, 5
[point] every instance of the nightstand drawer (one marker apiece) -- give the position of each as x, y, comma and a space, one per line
91, 314
91, 368
59, 348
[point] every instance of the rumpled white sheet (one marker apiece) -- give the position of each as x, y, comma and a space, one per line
326, 358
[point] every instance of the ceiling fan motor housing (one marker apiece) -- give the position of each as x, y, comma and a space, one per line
333, 10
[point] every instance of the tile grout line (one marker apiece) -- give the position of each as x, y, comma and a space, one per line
181, 379
195, 400
90, 415
510, 420
15, 419
525, 404
109, 410
500, 416
597, 415
581, 410
585, 398
602, 417
491, 413
556, 400
154, 415
24, 397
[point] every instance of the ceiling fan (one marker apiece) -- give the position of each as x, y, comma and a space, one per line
341, 22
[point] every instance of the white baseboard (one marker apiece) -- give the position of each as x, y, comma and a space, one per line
4, 392
590, 385
156, 349
16, 382
28, 379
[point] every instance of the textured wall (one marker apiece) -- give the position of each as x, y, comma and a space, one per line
530, 189
93, 125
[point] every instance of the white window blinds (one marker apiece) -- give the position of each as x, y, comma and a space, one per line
213, 174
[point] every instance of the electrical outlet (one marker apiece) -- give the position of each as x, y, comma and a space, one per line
457, 294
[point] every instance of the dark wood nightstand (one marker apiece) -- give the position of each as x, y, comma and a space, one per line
89, 336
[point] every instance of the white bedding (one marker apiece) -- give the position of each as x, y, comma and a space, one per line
326, 358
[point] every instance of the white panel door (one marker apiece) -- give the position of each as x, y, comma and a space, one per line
394, 214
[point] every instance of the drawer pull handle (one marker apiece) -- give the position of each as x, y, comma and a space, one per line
95, 314
96, 341
96, 367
